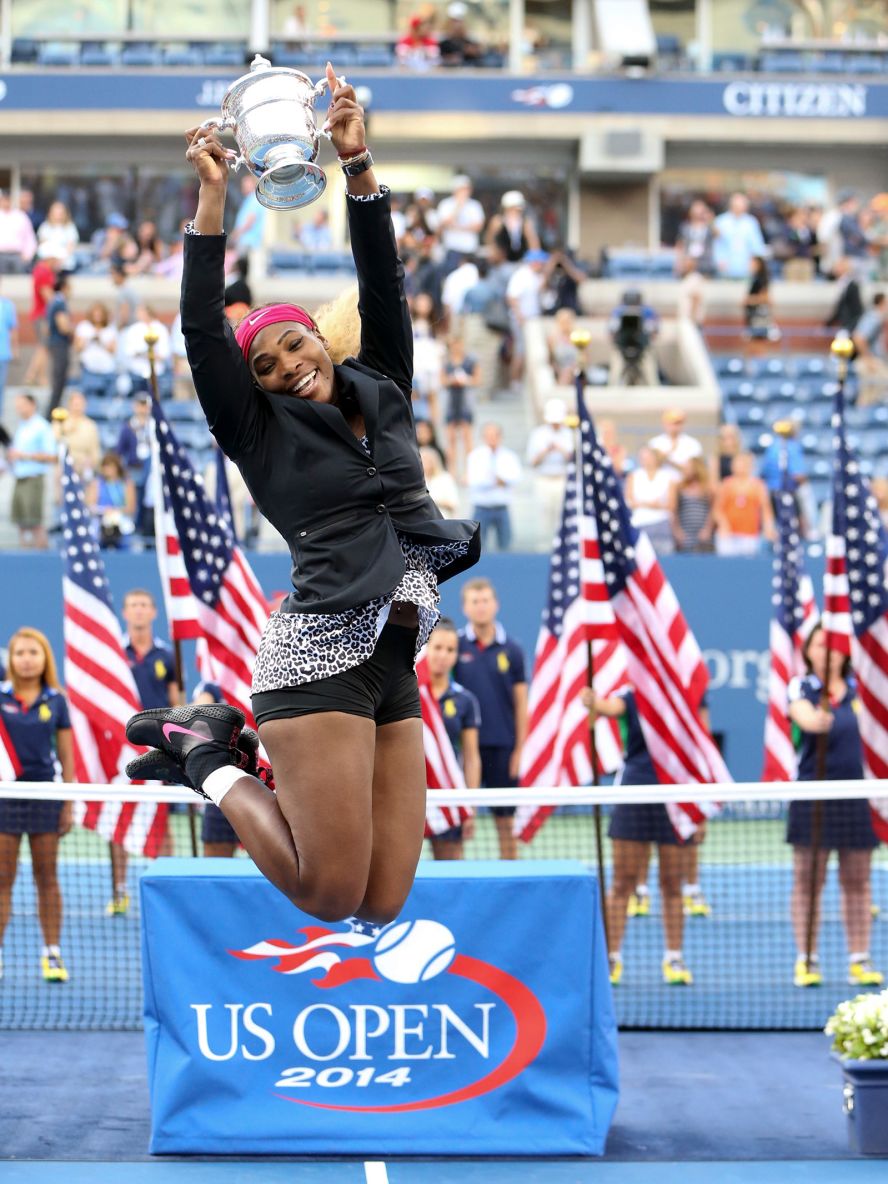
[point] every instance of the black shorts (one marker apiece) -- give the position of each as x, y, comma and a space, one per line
495, 775
215, 827
383, 688
643, 824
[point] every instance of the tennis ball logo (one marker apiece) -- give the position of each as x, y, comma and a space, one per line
414, 951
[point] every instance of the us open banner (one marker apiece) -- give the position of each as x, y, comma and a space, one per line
479, 1023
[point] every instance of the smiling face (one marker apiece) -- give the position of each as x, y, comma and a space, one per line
288, 359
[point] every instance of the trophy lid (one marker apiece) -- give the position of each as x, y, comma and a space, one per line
260, 69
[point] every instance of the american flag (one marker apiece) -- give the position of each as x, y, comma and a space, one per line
794, 617
664, 664
210, 590
101, 689
558, 749
10, 766
442, 767
856, 584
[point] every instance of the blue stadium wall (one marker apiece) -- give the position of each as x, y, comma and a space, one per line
726, 602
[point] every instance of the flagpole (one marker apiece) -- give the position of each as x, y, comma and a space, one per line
151, 339
842, 349
581, 338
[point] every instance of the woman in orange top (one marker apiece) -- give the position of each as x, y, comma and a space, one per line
742, 510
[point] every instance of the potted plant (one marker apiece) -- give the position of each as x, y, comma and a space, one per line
859, 1028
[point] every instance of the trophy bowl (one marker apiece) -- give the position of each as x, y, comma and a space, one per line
271, 114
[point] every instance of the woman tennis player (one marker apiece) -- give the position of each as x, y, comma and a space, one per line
329, 455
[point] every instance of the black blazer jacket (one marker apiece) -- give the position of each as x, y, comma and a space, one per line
337, 508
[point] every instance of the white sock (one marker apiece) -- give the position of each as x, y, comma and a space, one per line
672, 955
641, 890
52, 952
861, 956
217, 784
692, 890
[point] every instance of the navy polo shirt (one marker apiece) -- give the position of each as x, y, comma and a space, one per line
491, 673
844, 755
460, 710
208, 688
638, 768
32, 730
153, 673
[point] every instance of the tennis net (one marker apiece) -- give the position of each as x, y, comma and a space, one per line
736, 930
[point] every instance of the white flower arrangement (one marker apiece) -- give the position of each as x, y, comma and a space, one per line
859, 1027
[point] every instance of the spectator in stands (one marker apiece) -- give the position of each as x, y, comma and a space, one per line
36, 720
618, 453
730, 442
315, 235
126, 298
150, 250
26, 205
440, 484
801, 247
249, 224
60, 336
461, 280
784, 452
462, 374
879, 487
742, 510
491, 666
563, 278
845, 825
421, 218
633, 328
111, 498
43, 279
79, 434
460, 222
848, 308
869, 360
691, 293
511, 233
113, 243
692, 521
563, 354
238, 293
418, 48
757, 306
426, 437
878, 233
524, 297
855, 242
18, 242
457, 48
58, 237
549, 450
738, 239
134, 352
674, 444
95, 345
428, 354
32, 454
423, 270
650, 495
492, 471
9, 340
134, 449
696, 240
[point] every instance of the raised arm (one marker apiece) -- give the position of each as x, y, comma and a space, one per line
386, 333
223, 383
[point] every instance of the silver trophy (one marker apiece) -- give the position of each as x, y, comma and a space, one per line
270, 112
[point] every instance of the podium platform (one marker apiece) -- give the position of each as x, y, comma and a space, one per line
478, 1023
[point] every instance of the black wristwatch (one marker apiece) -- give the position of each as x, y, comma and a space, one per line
360, 166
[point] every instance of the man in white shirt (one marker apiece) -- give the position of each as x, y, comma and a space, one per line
455, 287
738, 239
524, 298
549, 449
491, 472
674, 444
460, 222
134, 352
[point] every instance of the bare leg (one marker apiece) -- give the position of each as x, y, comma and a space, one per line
508, 841
670, 859
854, 878
801, 894
44, 857
630, 860
399, 802
119, 865
446, 848
219, 850
9, 853
450, 448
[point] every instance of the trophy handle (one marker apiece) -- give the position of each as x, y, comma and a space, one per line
222, 125
316, 94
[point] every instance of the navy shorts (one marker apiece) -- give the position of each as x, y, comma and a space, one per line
383, 688
215, 827
845, 826
495, 775
643, 824
20, 817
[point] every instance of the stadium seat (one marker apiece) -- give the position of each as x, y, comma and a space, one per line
736, 387
331, 261
375, 56
782, 62
98, 53
812, 365
24, 51
59, 53
872, 444
141, 54
183, 55
183, 411
737, 63
830, 63
866, 63
225, 55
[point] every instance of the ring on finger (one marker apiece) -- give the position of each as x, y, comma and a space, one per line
202, 142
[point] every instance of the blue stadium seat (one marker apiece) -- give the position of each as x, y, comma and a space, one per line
866, 63
24, 51
738, 63
282, 260
813, 365
183, 55
818, 415
872, 444
140, 54
331, 261
98, 53
373, 57
830, 63
782, 62
750, 416
492, 60
736, 387
225, 55
184, 411
59, 53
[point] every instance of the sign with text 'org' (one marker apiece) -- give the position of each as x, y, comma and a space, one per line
479, 1023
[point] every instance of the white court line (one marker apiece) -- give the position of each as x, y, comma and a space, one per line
375, 1172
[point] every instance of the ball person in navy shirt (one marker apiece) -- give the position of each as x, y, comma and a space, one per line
35, 716
846, 825
633, 828
462, 719
491, 666
153, 664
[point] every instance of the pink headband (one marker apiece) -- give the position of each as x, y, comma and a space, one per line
254, 322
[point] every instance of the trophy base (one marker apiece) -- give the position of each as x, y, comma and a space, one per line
287, 186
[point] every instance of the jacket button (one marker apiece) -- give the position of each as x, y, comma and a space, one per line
380, 509
303, 533
371, 472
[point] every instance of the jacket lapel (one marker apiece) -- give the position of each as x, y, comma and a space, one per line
335, 420
366, 389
